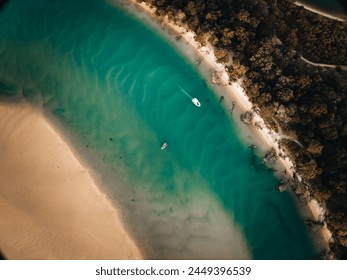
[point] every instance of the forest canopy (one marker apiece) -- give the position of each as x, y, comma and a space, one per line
269, 42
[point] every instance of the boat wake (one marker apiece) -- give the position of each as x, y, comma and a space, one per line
195, 101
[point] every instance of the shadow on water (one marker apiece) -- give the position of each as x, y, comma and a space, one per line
343, 3
2, 3
338, 7
118, 134
257, 162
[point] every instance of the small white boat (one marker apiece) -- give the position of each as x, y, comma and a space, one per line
196, 102
164, 146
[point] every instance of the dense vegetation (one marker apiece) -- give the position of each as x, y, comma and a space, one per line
263, 42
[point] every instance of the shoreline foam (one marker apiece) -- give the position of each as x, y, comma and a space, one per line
52, 207
236, 96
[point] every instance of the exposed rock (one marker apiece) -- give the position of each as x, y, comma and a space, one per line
313, 225
215, 77
282, 187
247, 117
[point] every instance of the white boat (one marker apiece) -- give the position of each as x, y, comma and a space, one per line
196, 102
164, 146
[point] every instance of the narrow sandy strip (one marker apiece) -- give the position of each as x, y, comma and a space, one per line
318, 64
234, 94
343, 67
320, 12
51, 207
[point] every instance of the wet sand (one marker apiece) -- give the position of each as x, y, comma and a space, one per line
235, 99
51, 206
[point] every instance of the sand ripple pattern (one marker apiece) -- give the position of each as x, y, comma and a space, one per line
112, 82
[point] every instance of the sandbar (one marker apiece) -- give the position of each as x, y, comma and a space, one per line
236, 98
51, 206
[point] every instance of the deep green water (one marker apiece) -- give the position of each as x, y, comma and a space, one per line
112, 80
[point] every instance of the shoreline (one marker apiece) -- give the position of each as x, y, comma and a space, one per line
322, 12
52, 205
234, 95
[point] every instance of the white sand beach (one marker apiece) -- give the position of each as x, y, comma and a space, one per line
51, 207
233, 94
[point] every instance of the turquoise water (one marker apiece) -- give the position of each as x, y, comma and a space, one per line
112, 80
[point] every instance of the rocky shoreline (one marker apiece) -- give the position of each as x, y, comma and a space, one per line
261, 42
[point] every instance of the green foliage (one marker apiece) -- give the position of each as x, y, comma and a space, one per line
266, 43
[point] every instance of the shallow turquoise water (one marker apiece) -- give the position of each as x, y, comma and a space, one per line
112, 81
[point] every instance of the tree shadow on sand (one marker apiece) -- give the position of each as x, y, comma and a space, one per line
2, 257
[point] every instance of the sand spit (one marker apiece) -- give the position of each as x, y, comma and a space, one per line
51, 207
236, 101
